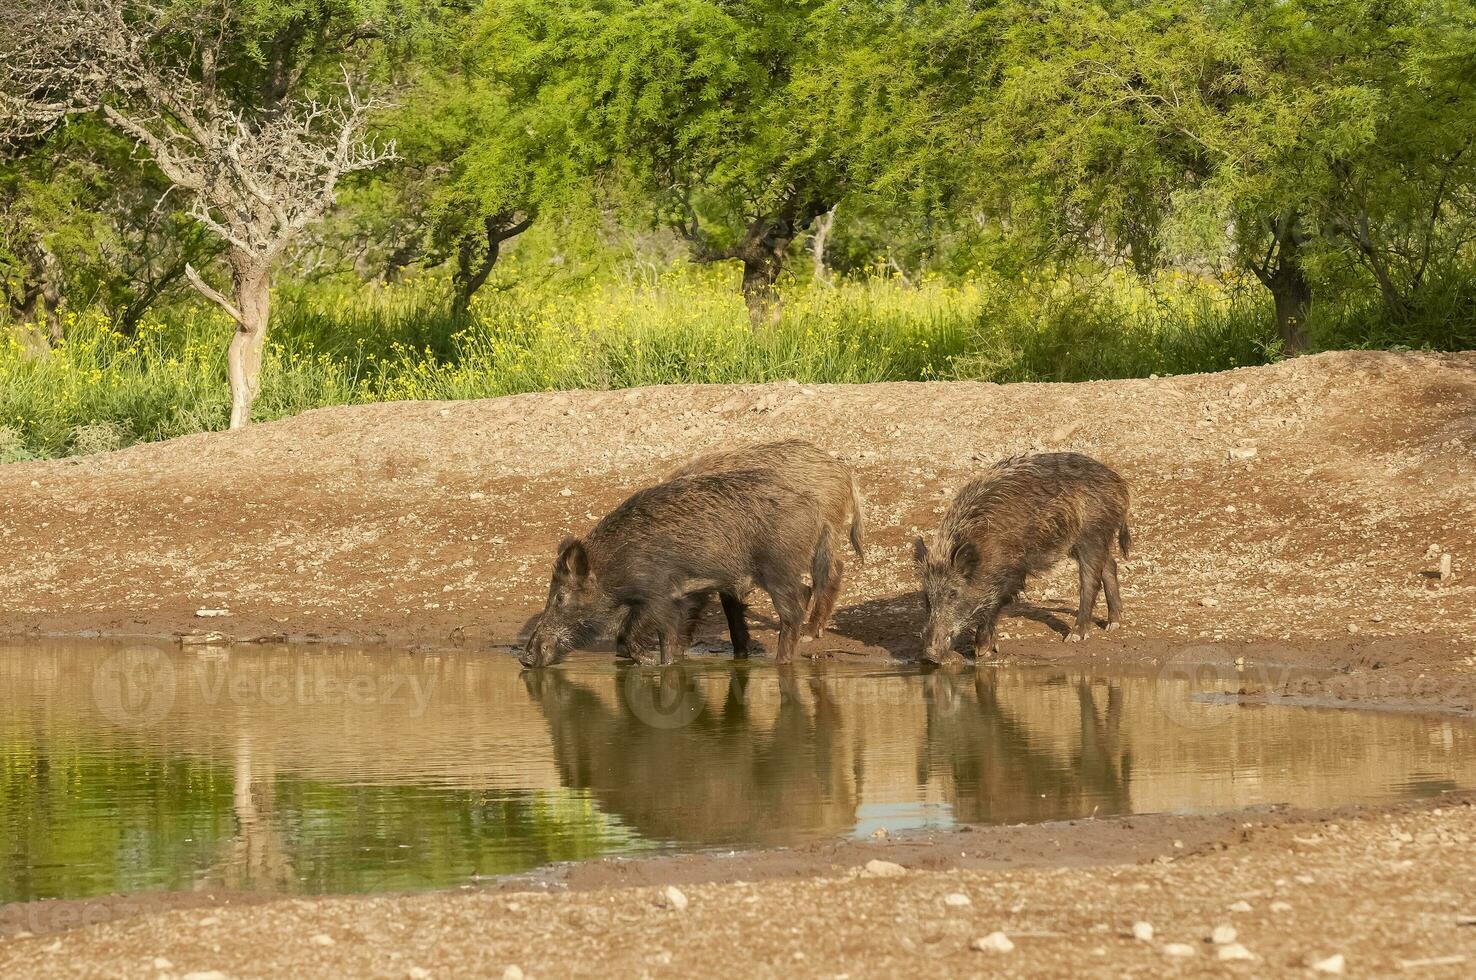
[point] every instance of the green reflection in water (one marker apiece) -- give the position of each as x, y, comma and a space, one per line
89, 824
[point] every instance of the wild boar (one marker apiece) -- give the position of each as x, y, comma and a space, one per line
806, 468
1019, 519
638, 569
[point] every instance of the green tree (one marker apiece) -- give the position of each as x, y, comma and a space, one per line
693, 104
1310, 130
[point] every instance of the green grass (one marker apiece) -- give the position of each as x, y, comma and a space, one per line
100, 390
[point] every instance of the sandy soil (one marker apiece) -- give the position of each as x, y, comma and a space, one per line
1290, 517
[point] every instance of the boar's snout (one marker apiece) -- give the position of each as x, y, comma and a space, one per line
540, 650
937, 641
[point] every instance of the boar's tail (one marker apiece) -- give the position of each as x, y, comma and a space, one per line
820, 563
1124, 539
858, 534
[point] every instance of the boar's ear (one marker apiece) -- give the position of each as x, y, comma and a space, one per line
919, 550
966, 557
573, 561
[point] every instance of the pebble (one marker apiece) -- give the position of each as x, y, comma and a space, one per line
205, 975
1240, 906
1143, 931
1445, 568
566, 492
674, 897
1281, 906
160, 963
1223, 935
322, 939
1178, 949
513, 972
957, 900
1235, 951
1333, 964
995, 942
1242, 452
418, 973
878, 868
210, 613
1209, 601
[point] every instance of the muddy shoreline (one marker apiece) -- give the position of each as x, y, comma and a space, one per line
1126, 840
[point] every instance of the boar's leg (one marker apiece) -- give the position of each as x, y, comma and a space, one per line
790, 605
825, 600
661, 619
988, 618
696, 605
1089, 562
1114, 600
984, 641
735, 611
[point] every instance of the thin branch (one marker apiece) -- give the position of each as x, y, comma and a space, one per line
212, 294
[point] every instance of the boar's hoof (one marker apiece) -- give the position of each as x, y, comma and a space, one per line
1075, 636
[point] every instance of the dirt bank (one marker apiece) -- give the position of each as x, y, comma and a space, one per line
1310, 500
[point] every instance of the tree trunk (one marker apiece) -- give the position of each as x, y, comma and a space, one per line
476, 256
760, 273
1281, 272
1292, 294
251, 281
821, 238
38, 307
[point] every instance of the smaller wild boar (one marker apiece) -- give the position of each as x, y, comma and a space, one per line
643, 563
1019, 519
806, 468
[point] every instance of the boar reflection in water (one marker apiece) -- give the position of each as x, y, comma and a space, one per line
720, 778
997, 773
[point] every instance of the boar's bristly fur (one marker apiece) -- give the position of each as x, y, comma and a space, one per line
806, 468
1018, 519
644, 563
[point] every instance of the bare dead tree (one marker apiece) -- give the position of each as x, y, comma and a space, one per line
255, 180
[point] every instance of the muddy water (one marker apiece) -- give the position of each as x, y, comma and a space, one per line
316, 770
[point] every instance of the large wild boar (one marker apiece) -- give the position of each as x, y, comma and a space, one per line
644, 561
1019, 519
806, 468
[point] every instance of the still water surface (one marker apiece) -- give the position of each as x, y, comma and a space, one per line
335, 770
